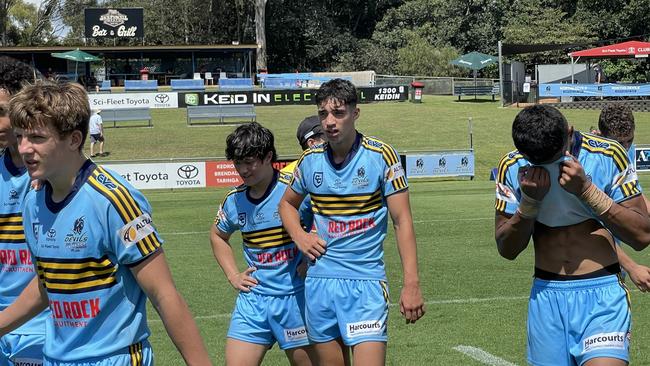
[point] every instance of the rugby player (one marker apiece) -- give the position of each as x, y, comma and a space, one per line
355, 182
93, 242
271, 303
567, 190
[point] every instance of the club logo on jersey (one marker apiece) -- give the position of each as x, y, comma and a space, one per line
77, 239
363, 328
105, 181
614, 340
136, 230
241, 219
13, 195
295, 334
36, 229
360, 180
318, 179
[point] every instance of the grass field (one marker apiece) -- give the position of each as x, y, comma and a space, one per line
474, 297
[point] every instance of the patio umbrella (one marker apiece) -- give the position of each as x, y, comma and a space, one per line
475, 61
76, 56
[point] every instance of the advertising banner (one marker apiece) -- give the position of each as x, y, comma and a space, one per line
642, 159
595, 90
440, 164
114, 23
264, 97
162, 175
133, 100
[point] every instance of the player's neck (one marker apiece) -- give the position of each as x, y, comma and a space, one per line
341, 149
15, 156
66, 175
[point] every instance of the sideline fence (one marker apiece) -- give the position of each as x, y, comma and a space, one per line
433, 85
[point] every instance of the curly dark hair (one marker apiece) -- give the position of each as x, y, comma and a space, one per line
14, 74
339, 90
540, 132
616, 121
250, 140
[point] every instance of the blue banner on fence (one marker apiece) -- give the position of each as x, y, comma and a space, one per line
596, 90
642, 159
440, 164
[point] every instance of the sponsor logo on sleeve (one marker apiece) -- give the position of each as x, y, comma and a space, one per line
614, 340
136, 230
504, 193
364, 328
395, 171
625, 177
295, 334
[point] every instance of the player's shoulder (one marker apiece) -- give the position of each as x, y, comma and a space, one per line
374, 144
513, 158
604, 148
107, 187
234, 193
285, 177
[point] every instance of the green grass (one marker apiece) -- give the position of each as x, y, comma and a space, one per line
453, 222
438, 123
458, 261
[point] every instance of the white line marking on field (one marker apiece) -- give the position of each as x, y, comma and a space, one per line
482, 356
415, 222
432, 302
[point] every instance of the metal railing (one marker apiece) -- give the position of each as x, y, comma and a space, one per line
433, 85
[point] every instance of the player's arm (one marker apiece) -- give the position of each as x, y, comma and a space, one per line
513, 232
156, 281
639, 274
226, 258
627, 220
30, 303
308, 243
411, 301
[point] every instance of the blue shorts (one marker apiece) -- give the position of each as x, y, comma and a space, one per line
22, 349
139, 354
262, 319
578, 320
354, 310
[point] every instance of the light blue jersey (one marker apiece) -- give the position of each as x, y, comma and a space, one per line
84, 247
349, 206
267, 246
16, 267
605, 161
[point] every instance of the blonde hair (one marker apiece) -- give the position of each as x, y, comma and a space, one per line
63, 106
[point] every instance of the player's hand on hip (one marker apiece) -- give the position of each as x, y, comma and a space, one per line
640, 275
243, 281
534, 182
411, 303
311, 245
572, 176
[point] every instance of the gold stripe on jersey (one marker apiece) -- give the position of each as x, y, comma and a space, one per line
266, 238
241, 188
11, 228
135, 351
285, 178
505, 163
125, 206
613, 149
76, 275
346, 205
372, 144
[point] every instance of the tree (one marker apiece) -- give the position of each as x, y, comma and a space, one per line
421, 58
5, 5
260, 33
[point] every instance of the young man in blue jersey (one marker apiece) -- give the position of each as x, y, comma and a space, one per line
25, 344
570, 192
270, 306
355, 182
616, 122
93, 242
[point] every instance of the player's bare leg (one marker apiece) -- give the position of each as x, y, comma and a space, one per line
369, 353
605, 361
240, 353
301, 356
332, 353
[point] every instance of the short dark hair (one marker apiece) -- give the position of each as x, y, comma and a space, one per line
63, 106
616, 121
338, 90
14, 74
250, 140
539, 132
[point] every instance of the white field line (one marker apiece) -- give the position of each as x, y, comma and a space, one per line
482, 356
432, 302
415, 222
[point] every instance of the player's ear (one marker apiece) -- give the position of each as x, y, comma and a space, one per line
76, 140
571, 129
357, 112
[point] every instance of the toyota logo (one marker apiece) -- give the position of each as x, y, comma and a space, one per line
187, 171
162, 98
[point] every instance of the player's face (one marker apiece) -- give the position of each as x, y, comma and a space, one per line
337, 120
252, 170
7, 137
44, 151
